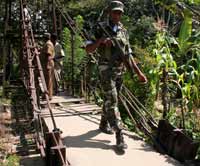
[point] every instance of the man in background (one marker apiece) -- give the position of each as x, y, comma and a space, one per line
58, 60
47, 61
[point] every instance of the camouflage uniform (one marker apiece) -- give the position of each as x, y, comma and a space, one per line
112, 48
111, 69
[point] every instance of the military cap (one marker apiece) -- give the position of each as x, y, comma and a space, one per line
117, 5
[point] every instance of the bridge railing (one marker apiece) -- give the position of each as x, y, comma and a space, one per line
49, 143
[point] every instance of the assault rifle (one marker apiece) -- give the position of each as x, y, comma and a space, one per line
128, 62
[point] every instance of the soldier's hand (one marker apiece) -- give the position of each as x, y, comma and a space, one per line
106, 41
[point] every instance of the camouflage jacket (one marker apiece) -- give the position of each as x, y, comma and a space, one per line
111, 55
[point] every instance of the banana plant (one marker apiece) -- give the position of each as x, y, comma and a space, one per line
189, 47
185, 32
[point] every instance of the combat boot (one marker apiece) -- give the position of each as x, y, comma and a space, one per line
105, 127
120, 141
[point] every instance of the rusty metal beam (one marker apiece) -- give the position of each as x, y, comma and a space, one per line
55, 150
54, 17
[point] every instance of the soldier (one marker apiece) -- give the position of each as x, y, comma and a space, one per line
111, 67
47, 56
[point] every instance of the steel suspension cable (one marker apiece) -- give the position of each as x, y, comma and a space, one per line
143, 127
142, 118
137, 103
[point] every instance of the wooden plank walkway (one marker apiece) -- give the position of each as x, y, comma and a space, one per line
87, 146
64, 99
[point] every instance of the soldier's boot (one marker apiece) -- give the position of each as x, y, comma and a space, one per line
120, 140
105, 127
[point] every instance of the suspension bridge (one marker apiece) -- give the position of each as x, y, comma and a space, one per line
66, 127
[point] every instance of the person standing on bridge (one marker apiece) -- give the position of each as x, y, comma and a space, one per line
46, 57
112, 59
58, 60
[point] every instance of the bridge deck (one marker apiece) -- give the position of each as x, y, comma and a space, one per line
87, 146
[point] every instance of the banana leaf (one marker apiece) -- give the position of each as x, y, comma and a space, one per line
185, 32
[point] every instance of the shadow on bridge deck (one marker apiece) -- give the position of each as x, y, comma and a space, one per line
87, 146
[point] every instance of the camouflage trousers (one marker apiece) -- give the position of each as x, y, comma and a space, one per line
111, 81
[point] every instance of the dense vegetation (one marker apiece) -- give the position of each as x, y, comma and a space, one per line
165, 38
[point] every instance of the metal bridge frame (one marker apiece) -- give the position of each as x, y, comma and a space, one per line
49, 143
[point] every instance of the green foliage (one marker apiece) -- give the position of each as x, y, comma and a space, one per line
185, 32
170, 2
66, 47
79, 52
163, 60
12, 160
190, 76
193, 1
142, 31
182, 76
174, 47
90, 9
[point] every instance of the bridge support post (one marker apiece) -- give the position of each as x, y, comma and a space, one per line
55, 156
55, 150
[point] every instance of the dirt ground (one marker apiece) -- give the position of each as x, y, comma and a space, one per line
12, 143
